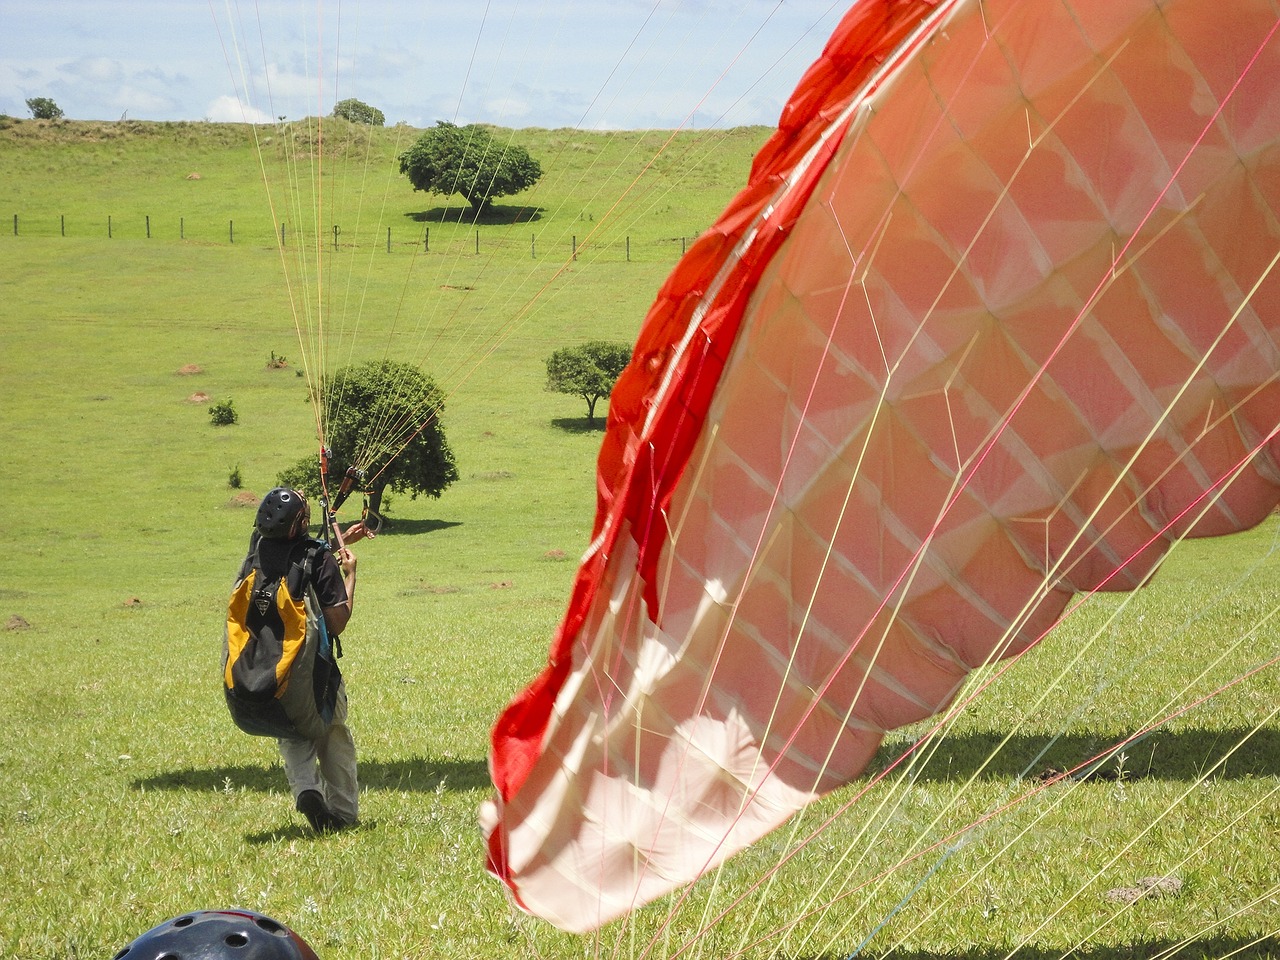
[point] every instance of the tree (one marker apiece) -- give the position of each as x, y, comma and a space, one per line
588, 371
449, 159
359, 112
43, 108
384, 417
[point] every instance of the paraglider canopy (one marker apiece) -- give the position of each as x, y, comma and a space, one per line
993, 323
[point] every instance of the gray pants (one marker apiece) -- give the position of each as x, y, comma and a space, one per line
326, 764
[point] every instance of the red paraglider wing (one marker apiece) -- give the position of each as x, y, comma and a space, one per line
993, 323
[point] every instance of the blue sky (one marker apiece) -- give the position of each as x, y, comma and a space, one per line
596, 64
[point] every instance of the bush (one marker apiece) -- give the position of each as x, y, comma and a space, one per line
357, 111
234, 480
223, 413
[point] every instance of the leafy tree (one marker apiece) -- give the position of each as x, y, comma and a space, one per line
384, 417
44, 108
588, 371
449, 159
359, 112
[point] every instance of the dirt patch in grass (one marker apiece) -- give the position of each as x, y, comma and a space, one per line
1146, 887
431, 589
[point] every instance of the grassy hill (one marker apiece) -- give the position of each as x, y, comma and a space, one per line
653, 185
102, 325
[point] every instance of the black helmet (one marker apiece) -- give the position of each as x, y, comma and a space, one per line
219, 935
283, 514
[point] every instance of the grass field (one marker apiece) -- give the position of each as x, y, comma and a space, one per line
128, 796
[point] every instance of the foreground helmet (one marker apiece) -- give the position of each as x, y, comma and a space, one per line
283, 514
219, 935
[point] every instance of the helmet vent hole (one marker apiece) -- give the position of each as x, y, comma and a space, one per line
269, 925
121, 954
184, 921
236, 940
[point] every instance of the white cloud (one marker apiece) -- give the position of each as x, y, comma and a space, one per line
291, 83
231, 110
134, 101
507, 111
95, 69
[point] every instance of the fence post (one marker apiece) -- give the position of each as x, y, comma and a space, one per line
282, 243
388, 239
108, 226
575, 246
63, 219
231, 230
477, 242
15, 224
426, 240
148, 226
628, 249
336, 231
533, 246
182, 228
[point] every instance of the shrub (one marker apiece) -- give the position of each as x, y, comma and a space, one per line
223, 413
357, 111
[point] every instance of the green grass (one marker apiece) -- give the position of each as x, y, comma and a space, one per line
128, 796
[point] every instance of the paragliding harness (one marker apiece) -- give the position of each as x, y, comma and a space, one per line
279, 664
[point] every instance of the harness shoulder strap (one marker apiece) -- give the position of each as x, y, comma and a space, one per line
313, 552
251, 560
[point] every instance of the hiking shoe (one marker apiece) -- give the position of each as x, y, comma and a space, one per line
312, 806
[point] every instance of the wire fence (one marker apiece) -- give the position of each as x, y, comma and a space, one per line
450, 238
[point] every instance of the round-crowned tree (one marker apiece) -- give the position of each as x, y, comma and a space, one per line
44, 108
449, 159
589, 371
383, 419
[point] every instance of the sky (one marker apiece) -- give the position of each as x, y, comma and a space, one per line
593, 64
